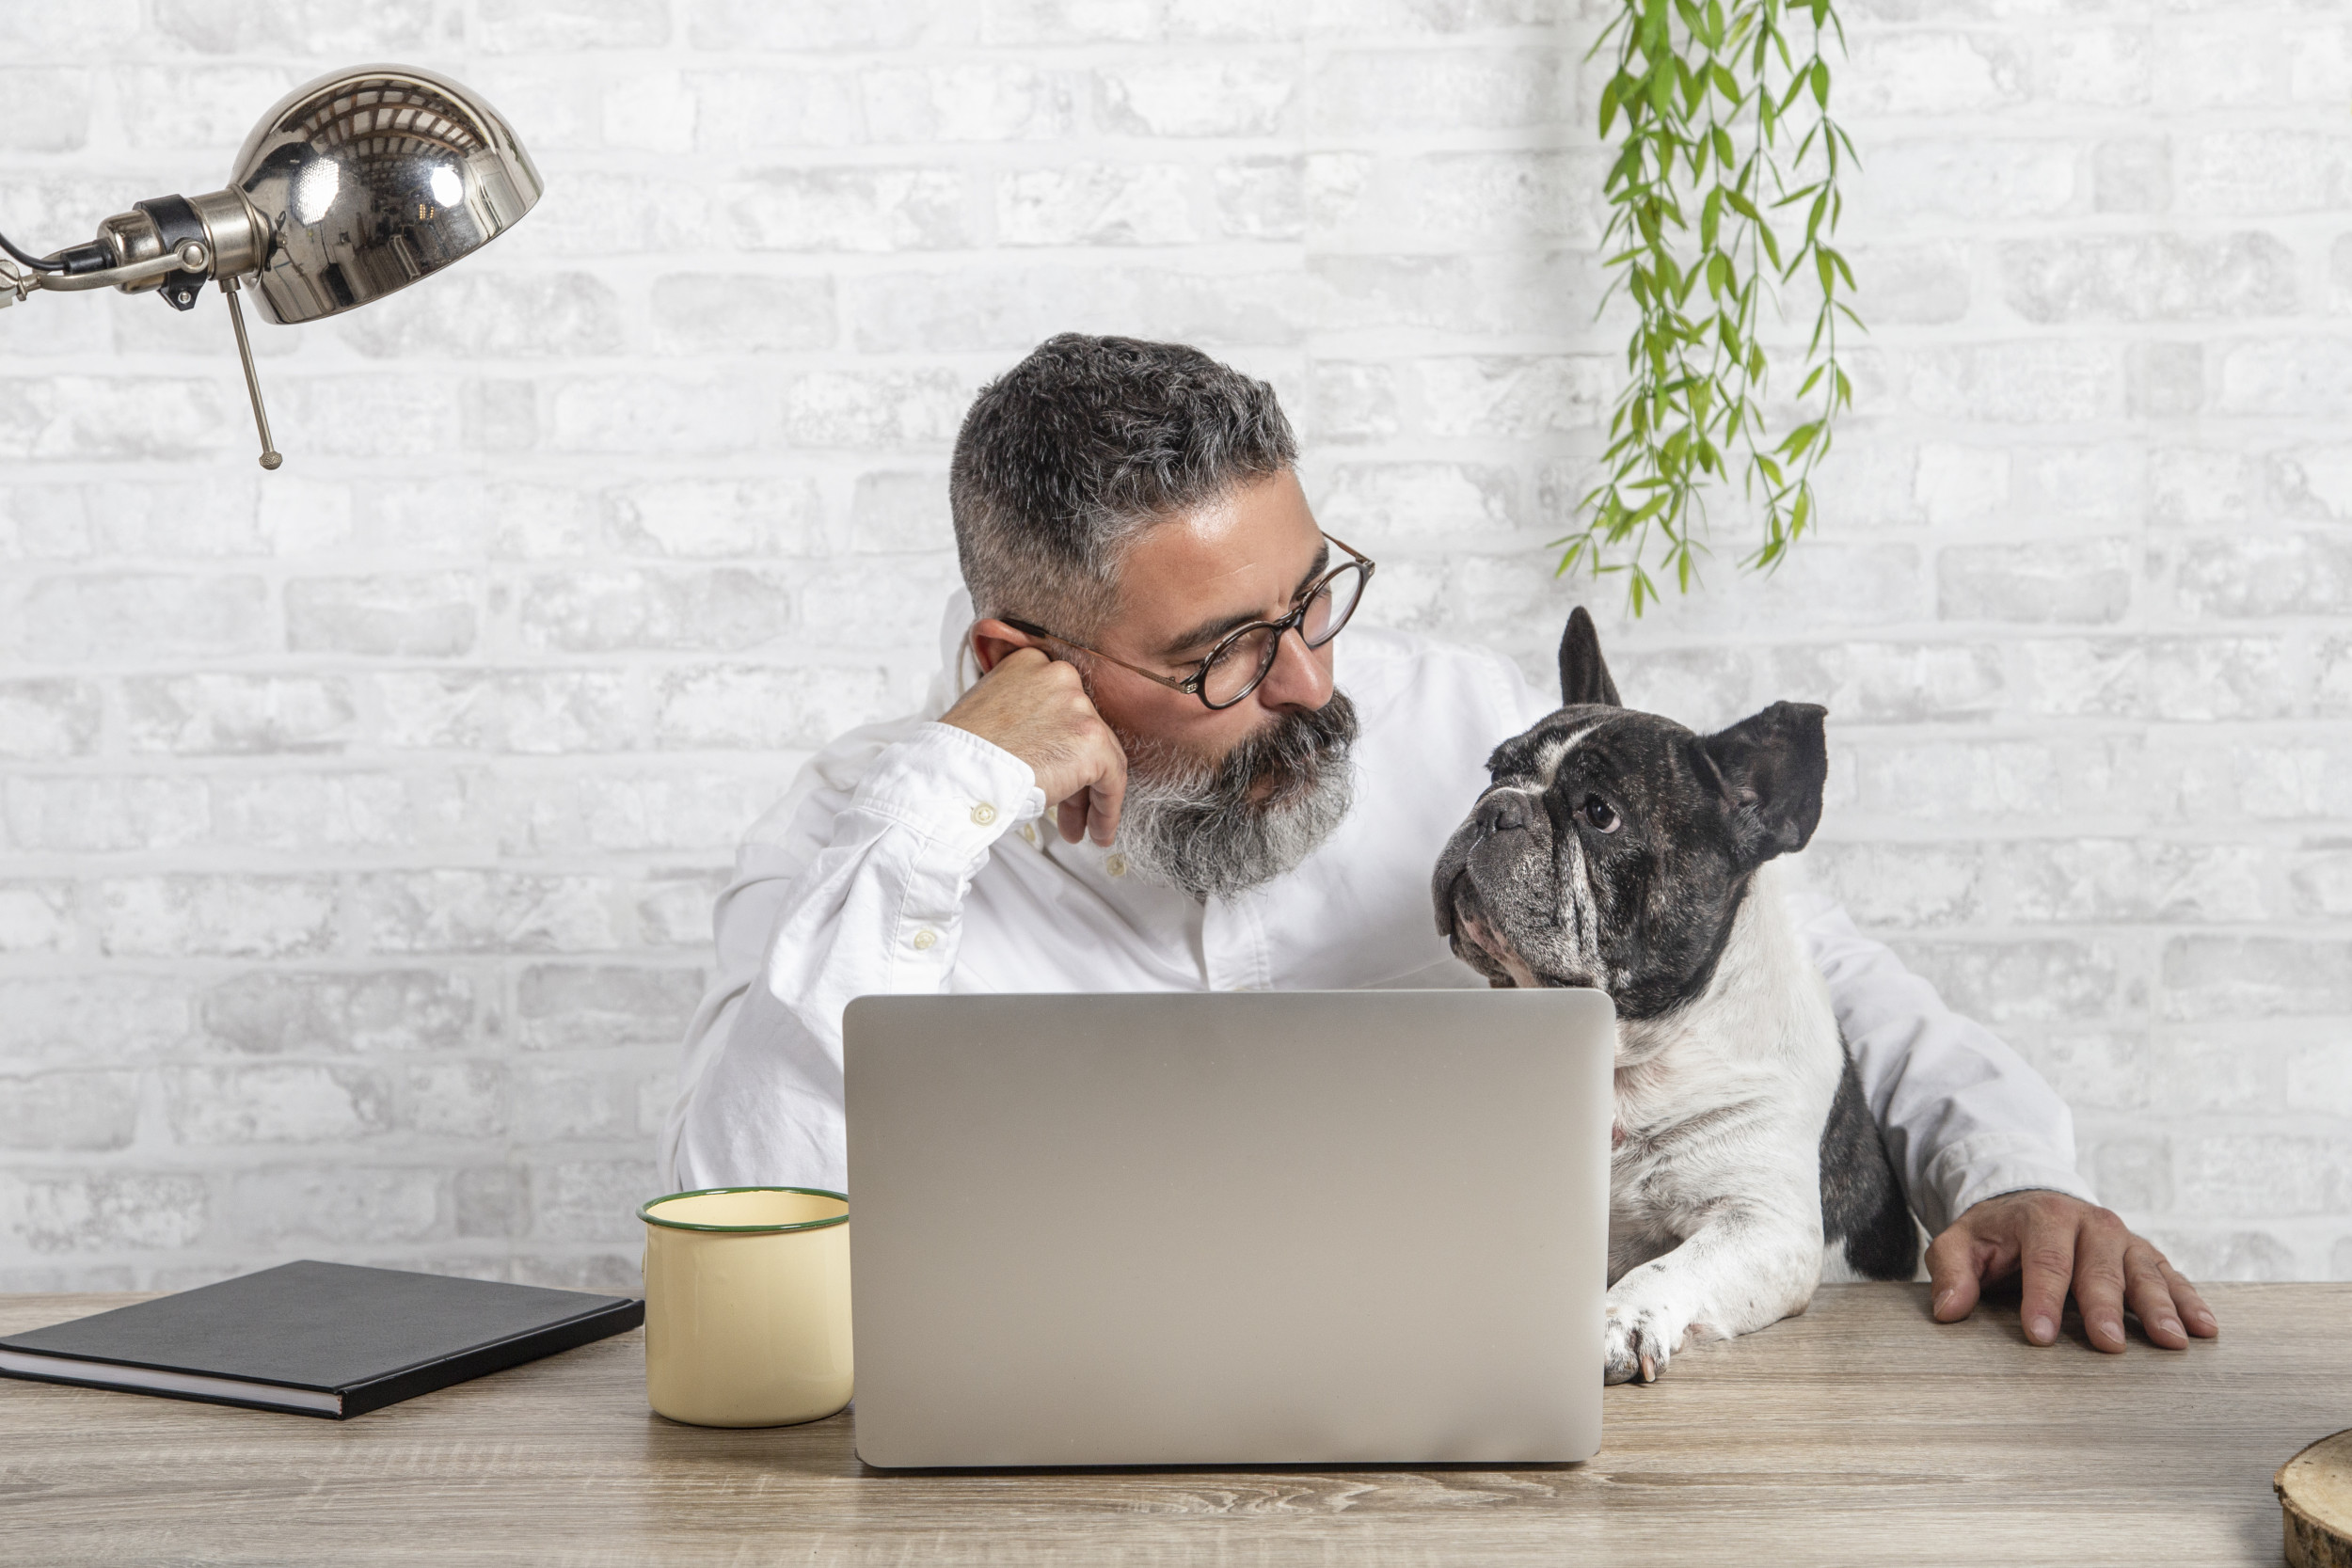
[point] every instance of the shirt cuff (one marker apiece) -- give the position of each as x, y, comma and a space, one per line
1977, 1168
956, 789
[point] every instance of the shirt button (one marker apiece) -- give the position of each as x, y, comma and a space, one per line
982, 815
1116, 865
1028, 833
925, 938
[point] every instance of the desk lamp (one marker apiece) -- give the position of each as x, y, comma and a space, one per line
351, 187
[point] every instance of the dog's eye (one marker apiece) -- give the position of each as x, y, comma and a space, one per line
1598, 815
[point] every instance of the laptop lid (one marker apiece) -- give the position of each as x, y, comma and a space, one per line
1217, 1229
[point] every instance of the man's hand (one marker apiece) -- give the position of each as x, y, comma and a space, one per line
2062, 1241
1036, 708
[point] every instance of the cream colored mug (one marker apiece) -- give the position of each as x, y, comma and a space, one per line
747, 1305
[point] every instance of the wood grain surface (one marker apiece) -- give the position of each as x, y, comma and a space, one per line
1862, 1433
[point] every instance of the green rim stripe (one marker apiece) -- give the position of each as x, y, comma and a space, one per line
645, 1211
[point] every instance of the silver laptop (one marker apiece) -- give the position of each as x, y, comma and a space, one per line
1229, 1228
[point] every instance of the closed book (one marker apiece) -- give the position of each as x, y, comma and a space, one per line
316, 1338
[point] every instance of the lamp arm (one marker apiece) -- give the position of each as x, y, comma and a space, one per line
192, 256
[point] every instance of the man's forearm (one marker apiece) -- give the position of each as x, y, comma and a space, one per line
1965, 1116
866, 898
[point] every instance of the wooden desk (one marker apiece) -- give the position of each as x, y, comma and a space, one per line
1861, 1432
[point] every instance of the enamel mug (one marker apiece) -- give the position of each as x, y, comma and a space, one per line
747, 1305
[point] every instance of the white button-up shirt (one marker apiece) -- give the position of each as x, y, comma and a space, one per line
913, 856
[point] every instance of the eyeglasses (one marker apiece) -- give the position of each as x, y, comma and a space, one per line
1244, 656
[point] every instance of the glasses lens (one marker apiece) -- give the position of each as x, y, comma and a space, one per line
1237, 667
1332, 605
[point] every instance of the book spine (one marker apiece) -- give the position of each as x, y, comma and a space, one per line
176, 1394
411, 1381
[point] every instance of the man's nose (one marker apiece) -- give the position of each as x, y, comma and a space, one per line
1298, 679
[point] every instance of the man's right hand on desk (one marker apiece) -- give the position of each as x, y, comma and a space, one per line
1036, 708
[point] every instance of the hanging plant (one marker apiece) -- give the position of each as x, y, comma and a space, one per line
1722, 126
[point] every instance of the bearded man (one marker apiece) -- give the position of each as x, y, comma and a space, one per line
1157, 782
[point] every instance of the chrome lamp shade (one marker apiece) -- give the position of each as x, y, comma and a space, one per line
351, 187
369, 179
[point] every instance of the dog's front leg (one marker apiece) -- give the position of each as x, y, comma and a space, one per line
1748, 1262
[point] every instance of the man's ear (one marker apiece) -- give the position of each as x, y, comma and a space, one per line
1583, 676
1771, 768
992, 639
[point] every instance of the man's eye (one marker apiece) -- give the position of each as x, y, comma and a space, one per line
1600, 815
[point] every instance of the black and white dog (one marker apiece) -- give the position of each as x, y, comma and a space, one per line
1620, 851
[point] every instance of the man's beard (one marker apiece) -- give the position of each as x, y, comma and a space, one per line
1218, 828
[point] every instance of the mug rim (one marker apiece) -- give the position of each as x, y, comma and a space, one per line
842, 1218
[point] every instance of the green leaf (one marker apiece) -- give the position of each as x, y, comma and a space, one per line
1685, 205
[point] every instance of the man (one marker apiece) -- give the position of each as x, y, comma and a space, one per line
1153, 614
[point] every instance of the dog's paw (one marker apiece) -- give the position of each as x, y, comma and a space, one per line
1637, 1346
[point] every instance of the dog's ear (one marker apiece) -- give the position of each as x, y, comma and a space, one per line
1583, 676
1770, 769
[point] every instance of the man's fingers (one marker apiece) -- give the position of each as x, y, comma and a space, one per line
1070, 818
2194, 1312
2099, 1278
2150, 1295
1108, 792
1952, 1281
2049, 1261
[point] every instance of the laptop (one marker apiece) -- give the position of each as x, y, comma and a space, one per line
1302, 1228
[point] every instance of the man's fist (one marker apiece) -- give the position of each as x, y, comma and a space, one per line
1036, 708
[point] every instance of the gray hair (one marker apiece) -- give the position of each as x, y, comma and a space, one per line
1065, 458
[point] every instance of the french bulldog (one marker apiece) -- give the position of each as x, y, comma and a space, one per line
1619, 849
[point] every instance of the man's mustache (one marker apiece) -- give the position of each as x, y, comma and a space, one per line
1274, 765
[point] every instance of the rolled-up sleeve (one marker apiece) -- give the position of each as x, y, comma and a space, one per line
1965, 1116
858, 891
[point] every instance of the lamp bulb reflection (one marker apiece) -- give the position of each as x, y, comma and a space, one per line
314, 190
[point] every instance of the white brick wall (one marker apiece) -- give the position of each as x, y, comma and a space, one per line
358, 822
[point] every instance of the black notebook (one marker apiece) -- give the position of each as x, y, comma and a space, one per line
317, 1338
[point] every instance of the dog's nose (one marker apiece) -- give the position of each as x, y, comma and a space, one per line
1505, 811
